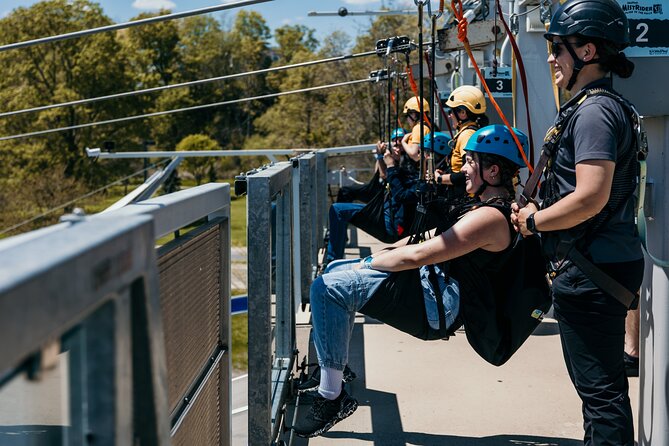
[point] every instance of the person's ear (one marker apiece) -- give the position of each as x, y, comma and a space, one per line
589, 52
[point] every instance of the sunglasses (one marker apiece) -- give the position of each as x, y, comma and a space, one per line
453, 110
556, 50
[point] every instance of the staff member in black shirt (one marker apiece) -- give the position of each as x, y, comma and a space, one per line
588, 206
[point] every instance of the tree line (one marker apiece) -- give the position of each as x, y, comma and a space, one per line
37, 173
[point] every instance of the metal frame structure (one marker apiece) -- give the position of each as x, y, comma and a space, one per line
91, 288
271, 344
109, 317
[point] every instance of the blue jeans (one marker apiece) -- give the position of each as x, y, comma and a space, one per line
339, 293
339, 216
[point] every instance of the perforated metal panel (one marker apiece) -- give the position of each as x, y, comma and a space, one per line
190, 292
201, 425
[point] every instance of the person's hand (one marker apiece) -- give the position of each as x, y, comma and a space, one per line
389, 159
519, 217
381, 147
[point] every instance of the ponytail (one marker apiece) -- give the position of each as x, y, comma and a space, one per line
611, 59
619, 64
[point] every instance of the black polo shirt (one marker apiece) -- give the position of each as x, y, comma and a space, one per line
600, 130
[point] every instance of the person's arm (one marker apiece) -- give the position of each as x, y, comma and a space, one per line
484, 227
410, 147
381, 149
593, 186
449, 179
598, 129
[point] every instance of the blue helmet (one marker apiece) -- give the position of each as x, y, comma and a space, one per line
497, 140
441, 143
397, 133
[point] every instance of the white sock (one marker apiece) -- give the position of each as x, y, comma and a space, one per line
331, 382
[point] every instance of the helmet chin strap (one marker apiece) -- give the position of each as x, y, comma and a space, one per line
578, 64
485, 184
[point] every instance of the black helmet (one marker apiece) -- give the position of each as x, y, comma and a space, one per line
601, 19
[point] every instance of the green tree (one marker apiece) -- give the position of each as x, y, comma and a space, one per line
199, 167
250, 39
58, 72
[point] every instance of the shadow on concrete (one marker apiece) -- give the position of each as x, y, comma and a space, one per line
546, 328
423, 439
32, 435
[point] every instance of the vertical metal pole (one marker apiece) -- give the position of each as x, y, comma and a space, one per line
258, 208
285, 315
225, 327
654, 305
321, 194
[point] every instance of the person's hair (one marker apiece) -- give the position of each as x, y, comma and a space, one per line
508, 170
611, 59
480, 119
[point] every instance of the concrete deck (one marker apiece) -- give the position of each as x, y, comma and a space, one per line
413, 392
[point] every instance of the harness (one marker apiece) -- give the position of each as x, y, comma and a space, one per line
565, 250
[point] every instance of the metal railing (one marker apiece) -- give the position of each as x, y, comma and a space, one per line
86, 294
286, 217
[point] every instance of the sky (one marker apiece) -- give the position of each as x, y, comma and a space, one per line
276, 12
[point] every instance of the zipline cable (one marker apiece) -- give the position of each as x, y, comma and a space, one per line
188, 84
117, 26
64, 205
196, 107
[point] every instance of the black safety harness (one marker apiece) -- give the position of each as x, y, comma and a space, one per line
565, 251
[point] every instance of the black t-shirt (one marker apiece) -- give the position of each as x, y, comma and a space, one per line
600, 130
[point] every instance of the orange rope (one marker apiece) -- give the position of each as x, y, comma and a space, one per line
414, 88
462, 36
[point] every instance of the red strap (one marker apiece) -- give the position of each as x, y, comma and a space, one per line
523, 78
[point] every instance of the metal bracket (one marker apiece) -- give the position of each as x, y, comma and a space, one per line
397, 44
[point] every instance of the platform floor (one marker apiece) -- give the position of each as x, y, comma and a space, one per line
413, 392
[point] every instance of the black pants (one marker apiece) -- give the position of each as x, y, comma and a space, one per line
592, 331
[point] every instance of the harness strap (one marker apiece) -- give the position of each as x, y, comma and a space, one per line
603, 280
551, 140
432, 276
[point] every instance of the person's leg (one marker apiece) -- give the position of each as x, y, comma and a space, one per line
632, 343
335, 298
592, 331
339, 216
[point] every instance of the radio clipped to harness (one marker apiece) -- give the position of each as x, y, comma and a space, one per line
397, 44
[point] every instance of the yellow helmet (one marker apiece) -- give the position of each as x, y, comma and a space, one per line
469, 97
412, 104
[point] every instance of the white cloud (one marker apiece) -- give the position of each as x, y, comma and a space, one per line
153, 4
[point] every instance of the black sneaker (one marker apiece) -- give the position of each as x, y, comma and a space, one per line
324, 413
315, 379
631, 365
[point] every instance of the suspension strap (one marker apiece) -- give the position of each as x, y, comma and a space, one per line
523, 77
462, 36
436, 94
414, 89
